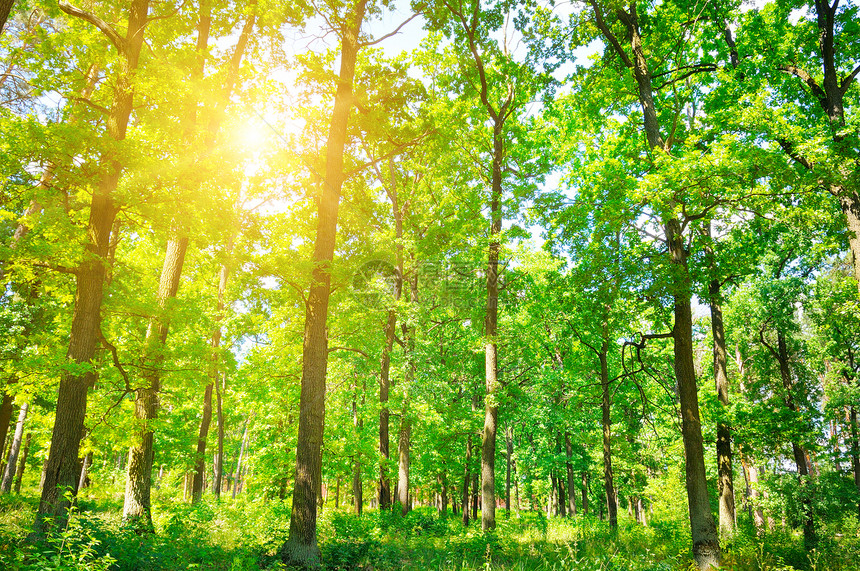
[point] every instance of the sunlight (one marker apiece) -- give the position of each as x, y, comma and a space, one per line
253, 135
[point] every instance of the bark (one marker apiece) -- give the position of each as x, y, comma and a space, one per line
475, 495
467, 477
706, 546
855, 449
390, 328
14, 449
137, 508
384, 384
238, 471
5, 10
497, 115
5, 419
62, 467
404, 440
516, 489
218, 460
509, 451
22, 464
403, 454
552, 498
301, 547
571, 485
605, 407
753, 494
336, 492
203, 28
200, 456
561, 495
725, 473
830, 95
800, 458
85, 469
357, 492
491, 350
585, 493
849, 202
358, 425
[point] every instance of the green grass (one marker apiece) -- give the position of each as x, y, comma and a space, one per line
245, 534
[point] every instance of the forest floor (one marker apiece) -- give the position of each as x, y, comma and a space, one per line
244, 535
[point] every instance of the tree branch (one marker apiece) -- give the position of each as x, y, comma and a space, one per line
788, 147
359, 351
808, 80
696, 69
607, 33
116, 362
386, 36
846, 81
103, 26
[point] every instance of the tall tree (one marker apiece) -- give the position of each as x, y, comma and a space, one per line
503, 86
301, 546
635, 57
725, 481
62, 465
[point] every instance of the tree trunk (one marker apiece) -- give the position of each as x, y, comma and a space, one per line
855, 449
640, 510
809, 535
62, 467
404, 440
301, 547
223, 274
509, 447
5, 10
444, 497
491, 350
85, 470
467, 477
214, 382
384, 482
218, 460
561, 511
137, 509
706, 546
571, 486
14, 449
200, 456
516, 489
753, 495
237, 471
725, 473
403, 444
357, 491
5, 419
475, 495
22, 464
550, 498
605, 408
585, 493
385, 369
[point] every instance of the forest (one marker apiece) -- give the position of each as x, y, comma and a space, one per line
434, 285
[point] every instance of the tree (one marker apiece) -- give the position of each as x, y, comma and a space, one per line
673, 216
301, 546
62, 466
503, 87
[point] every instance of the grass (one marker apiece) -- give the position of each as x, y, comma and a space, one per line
245, 534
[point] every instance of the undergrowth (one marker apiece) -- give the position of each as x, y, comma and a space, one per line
245, 535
